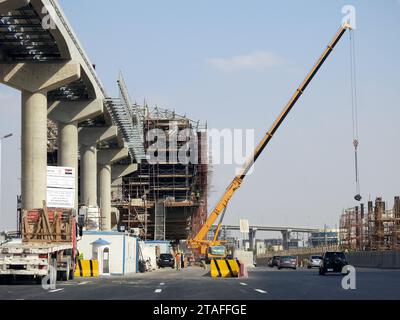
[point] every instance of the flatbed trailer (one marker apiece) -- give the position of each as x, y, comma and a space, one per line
47, 246
36, 259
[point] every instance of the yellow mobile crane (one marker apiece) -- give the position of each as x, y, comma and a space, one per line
214, 249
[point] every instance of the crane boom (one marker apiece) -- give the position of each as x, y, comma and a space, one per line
199, 242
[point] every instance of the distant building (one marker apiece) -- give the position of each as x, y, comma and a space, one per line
296, 243
261, 247
324, 237
273, 242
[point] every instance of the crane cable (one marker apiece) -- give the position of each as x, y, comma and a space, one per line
354, 104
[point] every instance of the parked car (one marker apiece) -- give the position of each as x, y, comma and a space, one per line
333, 262
314, 262
273, 262
287, 262
166, 260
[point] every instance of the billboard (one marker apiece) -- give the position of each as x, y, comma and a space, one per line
244, 226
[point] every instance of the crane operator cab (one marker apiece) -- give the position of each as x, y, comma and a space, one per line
215, 253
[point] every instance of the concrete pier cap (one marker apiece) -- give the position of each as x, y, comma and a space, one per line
89, 136
119, 171
75, 111
37, 77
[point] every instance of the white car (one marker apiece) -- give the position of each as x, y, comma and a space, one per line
314, 262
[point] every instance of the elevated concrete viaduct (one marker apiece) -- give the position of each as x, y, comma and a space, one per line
41, 57
285, 231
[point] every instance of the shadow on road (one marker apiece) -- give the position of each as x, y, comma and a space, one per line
19, 281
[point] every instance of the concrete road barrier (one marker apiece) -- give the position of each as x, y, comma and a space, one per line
87, 268
225, 268
375, 259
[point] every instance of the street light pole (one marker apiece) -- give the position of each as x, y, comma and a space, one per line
1, 142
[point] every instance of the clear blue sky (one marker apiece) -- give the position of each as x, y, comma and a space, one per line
190, 56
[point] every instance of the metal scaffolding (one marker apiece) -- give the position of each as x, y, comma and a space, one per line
378, 229
176, 193
129, 118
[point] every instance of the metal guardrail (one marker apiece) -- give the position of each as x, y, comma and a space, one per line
300, 251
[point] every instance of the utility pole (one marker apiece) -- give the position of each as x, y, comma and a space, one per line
145, 215
1, 142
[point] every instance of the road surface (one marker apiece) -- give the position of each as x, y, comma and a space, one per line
194, 284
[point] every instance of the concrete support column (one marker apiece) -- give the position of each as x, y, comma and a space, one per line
88, 140
68, 150
105, 196
252, 239
34, 80
34, 149
68, 114
286, 239
89, 176
105, 159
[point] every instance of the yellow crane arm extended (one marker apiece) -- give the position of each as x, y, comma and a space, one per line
199, 241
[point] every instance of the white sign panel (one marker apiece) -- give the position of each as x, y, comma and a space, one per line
60, 187
60, 198
244, 226
60, 177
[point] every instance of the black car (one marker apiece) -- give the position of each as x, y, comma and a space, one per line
332, 262
274, 261
166, 260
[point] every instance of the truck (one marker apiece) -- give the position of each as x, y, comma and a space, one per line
45, 245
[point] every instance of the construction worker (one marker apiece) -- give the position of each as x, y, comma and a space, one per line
182, 261
178, 261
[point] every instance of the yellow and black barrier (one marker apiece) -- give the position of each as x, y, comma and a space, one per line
87, 269
225, 268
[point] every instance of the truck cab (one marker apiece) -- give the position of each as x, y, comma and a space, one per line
215, 253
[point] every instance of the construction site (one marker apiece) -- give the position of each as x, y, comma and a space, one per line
165, 199
113, 199
372, 228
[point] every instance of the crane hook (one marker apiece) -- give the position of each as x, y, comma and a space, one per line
354, 103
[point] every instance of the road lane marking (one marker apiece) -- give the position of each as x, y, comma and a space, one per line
82, 283
56, 290
260, 291
243, 284
162, 283
158, 291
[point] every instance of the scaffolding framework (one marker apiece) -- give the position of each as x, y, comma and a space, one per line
377, 229
175, 192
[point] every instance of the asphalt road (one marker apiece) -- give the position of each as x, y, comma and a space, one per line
194, 284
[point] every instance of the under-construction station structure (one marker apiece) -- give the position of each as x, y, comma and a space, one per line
373, 228
165, 198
